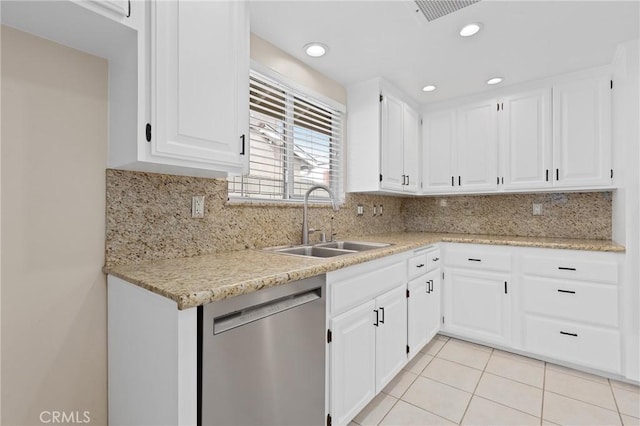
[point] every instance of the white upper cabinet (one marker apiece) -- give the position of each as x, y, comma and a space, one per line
477, 146
192, 91
411, 151
554, 135
201, 85
460, 149
582, 133
392, 158
526, 140
383, 140
438, 149
117, 10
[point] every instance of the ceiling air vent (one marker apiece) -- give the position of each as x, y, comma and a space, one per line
434, 9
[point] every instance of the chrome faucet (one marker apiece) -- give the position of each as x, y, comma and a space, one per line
305, 223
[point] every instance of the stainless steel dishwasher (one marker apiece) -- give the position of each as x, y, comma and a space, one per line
262, 357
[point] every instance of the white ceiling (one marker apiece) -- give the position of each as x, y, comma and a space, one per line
520, 40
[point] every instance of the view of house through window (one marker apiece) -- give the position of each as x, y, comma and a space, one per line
294, 144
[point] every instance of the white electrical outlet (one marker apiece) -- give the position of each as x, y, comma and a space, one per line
537, 209
360, 210
375, 210
380, 209
197, 207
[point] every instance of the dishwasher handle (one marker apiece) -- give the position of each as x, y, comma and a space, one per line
255, 313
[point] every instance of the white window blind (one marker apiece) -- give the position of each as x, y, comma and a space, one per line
294, 143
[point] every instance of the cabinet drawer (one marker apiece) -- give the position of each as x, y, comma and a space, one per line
578, 343
417, 265
366, 286
575, 301
571, 268
433, 260
478, 259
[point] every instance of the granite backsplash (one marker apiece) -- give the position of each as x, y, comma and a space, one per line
149, 217
564, 215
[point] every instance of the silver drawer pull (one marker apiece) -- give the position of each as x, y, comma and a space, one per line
562, 268
435, 259
475, 260
569, 334
566, 291
420, 265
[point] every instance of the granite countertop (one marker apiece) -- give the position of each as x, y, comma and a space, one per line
195, 281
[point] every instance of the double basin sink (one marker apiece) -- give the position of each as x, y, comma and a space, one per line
330, 249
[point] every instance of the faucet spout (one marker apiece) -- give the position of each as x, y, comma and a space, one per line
305, 222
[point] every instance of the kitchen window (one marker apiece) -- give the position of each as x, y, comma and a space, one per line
295, 142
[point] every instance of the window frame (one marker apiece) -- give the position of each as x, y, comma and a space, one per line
293, 88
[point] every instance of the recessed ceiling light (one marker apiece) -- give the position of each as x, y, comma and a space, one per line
494, 80
315, 50
429, 88
469, 30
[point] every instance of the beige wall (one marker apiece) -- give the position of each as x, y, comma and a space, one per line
54, 153
284, 64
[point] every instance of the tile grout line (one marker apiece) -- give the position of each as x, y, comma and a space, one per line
390, 409
476, 388
615, 401
544, 383
430, 412
584, 402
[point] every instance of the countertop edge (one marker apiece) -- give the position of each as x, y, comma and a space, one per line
202, 297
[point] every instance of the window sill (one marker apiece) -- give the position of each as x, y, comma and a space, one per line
296, 204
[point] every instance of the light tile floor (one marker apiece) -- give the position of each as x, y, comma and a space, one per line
455, 382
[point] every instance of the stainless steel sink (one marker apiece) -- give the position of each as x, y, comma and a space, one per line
313, 251
353, 245
331, 249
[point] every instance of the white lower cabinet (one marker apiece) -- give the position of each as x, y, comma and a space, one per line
368, 348
570, 303
368, 329
391, 335
423, 311
477, 305
477, 290
353, 362
563, 306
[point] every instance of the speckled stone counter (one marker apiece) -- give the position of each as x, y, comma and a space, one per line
194, 281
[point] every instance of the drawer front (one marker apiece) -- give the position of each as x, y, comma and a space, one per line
433, 260
478, 259
417, 265
571, 268
581, 344
366, 286
574, 301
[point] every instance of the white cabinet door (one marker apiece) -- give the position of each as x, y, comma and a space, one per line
433, 307
417, 314
477, 147
582, 133
477, 305
393, 177
353, 364
201, 82
411, 149
438, 145
391, 335
423, 311
526, 140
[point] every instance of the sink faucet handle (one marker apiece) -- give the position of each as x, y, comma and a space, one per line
333, 236
323, 237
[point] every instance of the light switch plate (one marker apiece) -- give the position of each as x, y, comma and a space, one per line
375, 210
